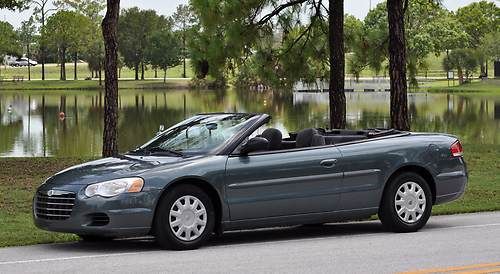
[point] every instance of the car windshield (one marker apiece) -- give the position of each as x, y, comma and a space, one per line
200, 134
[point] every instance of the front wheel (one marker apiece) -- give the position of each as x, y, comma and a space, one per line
185, 218
406, 204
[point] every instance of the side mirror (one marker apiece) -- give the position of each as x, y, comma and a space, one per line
254, 144
160, 129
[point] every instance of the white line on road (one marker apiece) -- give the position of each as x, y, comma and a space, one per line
232, 245
71, 258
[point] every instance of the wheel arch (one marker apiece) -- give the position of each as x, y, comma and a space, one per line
206, 187
420, 170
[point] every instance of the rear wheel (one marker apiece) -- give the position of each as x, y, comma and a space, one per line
406, 204
185, 218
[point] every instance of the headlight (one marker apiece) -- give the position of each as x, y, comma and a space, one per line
115, 187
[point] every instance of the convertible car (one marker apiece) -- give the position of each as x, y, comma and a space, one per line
227, 171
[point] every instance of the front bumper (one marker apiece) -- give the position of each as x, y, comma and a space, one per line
129, 214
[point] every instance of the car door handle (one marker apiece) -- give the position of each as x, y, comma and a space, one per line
328, 163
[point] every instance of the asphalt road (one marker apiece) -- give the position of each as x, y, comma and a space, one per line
469, 242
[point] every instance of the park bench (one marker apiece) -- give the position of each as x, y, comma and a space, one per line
17, 78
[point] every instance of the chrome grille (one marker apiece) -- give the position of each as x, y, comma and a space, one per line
54, 204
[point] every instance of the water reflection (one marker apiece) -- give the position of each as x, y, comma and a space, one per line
31, 125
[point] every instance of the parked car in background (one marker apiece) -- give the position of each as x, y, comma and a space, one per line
227, 171
19, 62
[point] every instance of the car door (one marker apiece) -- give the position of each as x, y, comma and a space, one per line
282, 183
364, 165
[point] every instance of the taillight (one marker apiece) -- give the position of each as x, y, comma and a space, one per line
456, 149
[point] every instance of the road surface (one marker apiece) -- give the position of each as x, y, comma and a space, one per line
468, 243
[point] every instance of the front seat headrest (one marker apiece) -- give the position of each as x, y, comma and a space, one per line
274, 137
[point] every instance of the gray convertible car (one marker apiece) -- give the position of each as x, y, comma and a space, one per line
227, 171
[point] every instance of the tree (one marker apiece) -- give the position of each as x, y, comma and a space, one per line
9, 44
231, 32
40, 12
479, 19
91, 44
94, 54
337, 66
110, 34
491, 46
164, 51
90, 8
135, 29
461, 60
13, 4
184, 20
397, 65
65, 31
26, 33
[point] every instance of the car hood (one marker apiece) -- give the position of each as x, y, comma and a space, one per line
111, 168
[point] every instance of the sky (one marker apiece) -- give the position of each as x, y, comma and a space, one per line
358, 8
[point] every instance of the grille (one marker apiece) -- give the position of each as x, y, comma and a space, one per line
57, 206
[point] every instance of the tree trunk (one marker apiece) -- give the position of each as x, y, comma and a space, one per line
136, 68
337, 64
42, 47
29, 61
397, 65
109, 30
156, 73
142, 70
42, 53
100, 77
76, 66
184, 50
62, 58
164, 76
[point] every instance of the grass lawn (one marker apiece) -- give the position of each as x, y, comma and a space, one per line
491, 86
19, 177
94, 85
52, 71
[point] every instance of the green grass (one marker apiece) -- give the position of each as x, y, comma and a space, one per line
52, 72
18, 181
19, 177
93, 85
491, 86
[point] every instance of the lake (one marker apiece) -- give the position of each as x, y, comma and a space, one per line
30, 124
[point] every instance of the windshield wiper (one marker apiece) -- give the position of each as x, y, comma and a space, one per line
156, 151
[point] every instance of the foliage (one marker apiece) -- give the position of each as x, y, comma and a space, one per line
90, 8
66, 30
134, 33
253, 41
184, 20
9, 44
478, 19
13, 4
490, 44
164, 51
462, 60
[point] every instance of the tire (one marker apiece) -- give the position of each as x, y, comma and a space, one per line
398, 214
181, 228
94, 238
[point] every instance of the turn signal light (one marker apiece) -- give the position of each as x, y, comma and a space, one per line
456, 149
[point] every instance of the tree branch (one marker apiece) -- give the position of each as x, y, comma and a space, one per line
277, 10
